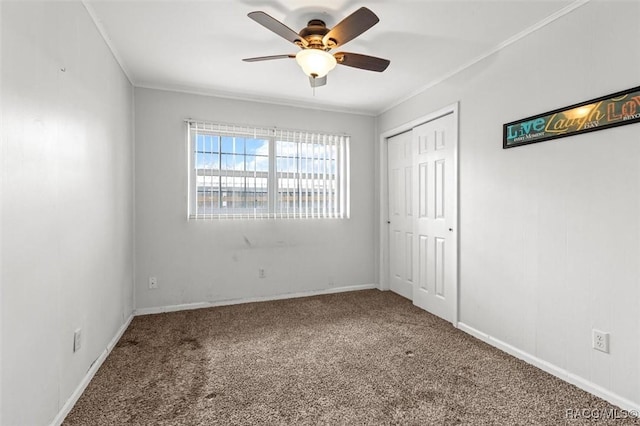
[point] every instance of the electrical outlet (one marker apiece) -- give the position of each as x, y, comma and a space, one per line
77, 340
261, 273
600, 341
153, 282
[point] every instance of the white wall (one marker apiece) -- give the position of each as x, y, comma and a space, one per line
67, 204
550, 232
1, 209
209, 261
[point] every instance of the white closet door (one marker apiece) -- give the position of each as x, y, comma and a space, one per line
401, 213
435, 195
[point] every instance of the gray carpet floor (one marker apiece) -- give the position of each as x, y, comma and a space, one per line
358, 358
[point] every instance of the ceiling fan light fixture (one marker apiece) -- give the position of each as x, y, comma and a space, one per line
315, 63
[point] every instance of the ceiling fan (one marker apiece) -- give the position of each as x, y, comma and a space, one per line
316, 40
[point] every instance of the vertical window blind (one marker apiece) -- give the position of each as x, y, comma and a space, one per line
249, 172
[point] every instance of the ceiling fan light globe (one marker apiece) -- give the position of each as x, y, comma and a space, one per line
315, 63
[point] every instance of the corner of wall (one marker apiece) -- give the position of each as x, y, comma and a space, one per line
133, 201
1, 204
377, 218
107, 40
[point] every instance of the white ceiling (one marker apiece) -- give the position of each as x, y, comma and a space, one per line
198, 46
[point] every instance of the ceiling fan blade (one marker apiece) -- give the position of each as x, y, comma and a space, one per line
277, 27
268, 58
364, 62
350, 27
317, 82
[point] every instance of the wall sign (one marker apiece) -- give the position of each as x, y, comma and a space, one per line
608, 111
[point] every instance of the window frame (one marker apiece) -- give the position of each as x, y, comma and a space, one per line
331, 205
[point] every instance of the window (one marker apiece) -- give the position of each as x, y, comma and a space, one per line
244, 172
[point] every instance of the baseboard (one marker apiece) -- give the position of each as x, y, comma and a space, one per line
200, 305
66, 408
554, 370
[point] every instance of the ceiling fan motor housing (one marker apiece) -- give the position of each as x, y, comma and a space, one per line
313, 33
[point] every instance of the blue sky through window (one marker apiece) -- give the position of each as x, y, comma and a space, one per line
231, 153
248, 154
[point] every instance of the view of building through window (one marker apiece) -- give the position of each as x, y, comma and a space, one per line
232, 174
306, 176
